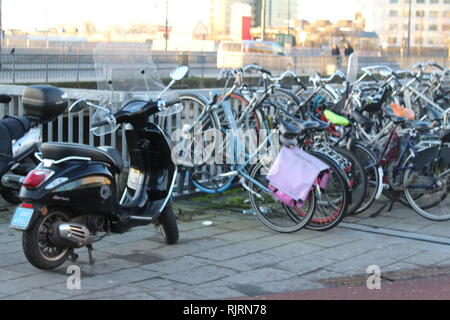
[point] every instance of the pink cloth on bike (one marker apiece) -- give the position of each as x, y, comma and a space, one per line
295, 172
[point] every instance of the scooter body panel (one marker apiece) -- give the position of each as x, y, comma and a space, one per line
151, 154
85, 188
26, 145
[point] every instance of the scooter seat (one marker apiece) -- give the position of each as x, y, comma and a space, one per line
58, 151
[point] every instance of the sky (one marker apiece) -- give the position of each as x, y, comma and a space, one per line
40, 13
187, 13
332, 10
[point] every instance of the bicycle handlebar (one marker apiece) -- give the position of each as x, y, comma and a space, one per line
256, 68
286, 74
369, 70
317, 78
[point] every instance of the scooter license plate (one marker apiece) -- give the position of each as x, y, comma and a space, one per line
21, 218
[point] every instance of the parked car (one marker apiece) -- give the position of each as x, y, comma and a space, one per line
269, 55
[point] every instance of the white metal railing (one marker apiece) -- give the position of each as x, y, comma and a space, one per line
23, 67
75, 128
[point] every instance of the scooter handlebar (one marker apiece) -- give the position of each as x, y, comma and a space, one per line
5, 98
100, 124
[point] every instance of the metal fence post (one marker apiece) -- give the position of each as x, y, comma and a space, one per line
78, 69
14, 67
203, 66
203, 61
46, 68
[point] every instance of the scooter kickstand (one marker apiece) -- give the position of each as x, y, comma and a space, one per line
90, 254
73, 256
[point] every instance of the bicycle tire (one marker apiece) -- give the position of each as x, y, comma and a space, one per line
187, 151
437, 208
358, 179
323, 221
265, 212
373, 172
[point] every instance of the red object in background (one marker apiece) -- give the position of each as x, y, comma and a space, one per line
246, 25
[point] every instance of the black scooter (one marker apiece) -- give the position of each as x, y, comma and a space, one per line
72, 196
20, 137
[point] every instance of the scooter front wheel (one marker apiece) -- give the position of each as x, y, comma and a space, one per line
168, 226
38, 248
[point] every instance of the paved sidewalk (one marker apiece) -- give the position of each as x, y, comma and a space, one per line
235, 257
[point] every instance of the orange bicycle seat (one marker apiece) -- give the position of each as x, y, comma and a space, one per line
403, 112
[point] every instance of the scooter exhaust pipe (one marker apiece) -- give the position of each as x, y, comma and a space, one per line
12, 181
71, 235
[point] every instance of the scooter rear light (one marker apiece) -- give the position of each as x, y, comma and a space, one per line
36, 178
26, 205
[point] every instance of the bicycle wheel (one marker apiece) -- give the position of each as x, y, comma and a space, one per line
332, 203
253, 121
289, 101
427, 189
192, 150
273, 213
211, 178
373, 173
357, 177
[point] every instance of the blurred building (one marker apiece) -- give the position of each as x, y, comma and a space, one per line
426, 26
278, 12
221, 17
240, 21
281, 12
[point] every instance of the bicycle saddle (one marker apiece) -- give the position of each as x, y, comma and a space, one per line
361, 119
336, 119
290, 131
400, 111
432, 114
293, 130
389, 113
421, 126
322, 124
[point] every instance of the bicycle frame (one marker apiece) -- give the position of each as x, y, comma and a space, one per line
408, 87
237, 148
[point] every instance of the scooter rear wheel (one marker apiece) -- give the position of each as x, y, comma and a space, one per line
168, 226
38, 248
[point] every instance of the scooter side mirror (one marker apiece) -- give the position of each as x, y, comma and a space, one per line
179, 73
78, 106
176, 75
